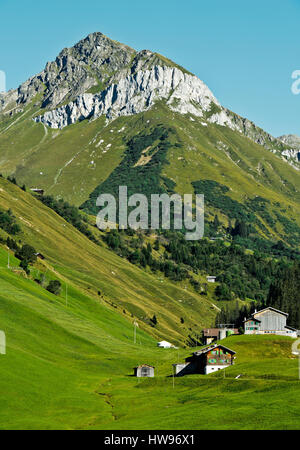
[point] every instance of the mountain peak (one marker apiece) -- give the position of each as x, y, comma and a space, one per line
100, 76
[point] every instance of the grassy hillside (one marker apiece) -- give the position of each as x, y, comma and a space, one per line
69, 367
268, 385
69, 359
70, 356
94, 269
71, 163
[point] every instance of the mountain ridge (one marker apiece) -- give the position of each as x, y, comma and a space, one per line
87, 149
101, 76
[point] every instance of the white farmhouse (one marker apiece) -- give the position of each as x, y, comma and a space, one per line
269, 321
165, 344
211, 279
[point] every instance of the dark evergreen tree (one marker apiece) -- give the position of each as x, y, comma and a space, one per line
54, 287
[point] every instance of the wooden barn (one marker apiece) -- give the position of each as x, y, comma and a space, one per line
37, 191
144, 371
269, 321
207, 360
217, 334
40, 256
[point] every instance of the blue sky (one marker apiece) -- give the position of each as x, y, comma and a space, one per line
244, 51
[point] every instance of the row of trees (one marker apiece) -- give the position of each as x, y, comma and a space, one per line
70, 213
8, 222
28, 256
285, 294
240, 273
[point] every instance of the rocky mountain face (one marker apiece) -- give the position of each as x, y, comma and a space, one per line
135, 93
99, 76
293, 141
103, 115
76, 70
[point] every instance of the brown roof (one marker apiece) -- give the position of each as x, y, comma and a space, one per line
211, 332
215, 331
212, 347
252, 319
144, 365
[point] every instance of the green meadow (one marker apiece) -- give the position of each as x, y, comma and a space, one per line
70, 367
70, 358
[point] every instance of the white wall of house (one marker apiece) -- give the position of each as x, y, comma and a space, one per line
287, 332
215, 368
179, 367
271, 322
165, 344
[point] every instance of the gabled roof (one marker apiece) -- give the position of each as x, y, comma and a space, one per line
211, 332
271, 308
212, 347
262, 310
253, 319
144, 365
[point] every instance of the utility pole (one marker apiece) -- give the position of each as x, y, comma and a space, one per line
8, 260
134, 331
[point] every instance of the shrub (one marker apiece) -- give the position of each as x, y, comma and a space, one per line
54, 287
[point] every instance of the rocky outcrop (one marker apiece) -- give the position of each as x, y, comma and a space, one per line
293, 141
89, 63
99, 76
137, 92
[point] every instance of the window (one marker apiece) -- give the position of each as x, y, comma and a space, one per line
145, 372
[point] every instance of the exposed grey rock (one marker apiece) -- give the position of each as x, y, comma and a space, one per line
89, 63
135, 93
99, 76
293, 141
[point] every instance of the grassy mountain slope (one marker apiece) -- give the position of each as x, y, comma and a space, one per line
74, 161
69, 357
77, 261
68, 367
